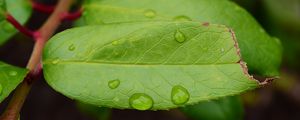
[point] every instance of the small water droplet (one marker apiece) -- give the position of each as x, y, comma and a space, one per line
150, 13
179, 95
13, 73
1, 89
113, 84
116, 99
182, 18
72, 47
55, 61
222, 49
179, 36
115, 43
141, 101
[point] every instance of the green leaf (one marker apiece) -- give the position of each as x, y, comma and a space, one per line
10, 78
227, 108
261, 52
146, 65
21, 10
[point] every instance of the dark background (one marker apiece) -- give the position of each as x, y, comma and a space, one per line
279, 101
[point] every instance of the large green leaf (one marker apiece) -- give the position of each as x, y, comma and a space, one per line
10, 78
146, 65
21, 10
261, 52
227, 108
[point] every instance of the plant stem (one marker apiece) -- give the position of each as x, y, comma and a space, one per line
41, 37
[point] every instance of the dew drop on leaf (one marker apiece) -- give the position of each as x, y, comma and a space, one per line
222, 50
140, 101
13, 73
71, 47
149, 13
179, 36
55, 61
113, 84
115, 42
179, 95
182, 18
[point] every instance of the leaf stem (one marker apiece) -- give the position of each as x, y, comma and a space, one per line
18, 26
41, 37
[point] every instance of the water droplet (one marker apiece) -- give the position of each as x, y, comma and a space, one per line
182, 18
116, 99
150, 13
55, 61
115, 43
72, 47
140, 101
179, 95
13, 73
1, 89
113, 84
222, 49
179, 36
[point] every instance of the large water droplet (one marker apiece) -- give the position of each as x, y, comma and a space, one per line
13, 73
113, 84
72, 47
55, 61
179, 36
150, 13
179, 95
141, 101
182, 18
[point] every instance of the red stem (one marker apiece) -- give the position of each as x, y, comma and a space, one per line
72, 16
18, 26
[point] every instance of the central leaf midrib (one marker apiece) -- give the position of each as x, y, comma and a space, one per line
137, 64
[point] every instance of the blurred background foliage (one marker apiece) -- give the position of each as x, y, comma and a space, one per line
278, 101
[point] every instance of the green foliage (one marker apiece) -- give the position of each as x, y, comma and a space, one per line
11, 77
20, 9
228, 108
261, 52
159, 65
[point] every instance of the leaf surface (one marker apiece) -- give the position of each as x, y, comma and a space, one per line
146, 65
20, 10
10, 78
261, 52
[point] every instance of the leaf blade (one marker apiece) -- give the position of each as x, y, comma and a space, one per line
256, 45
21, 10
11, 77
149, 60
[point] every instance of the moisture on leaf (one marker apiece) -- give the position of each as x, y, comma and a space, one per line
10, 77
145, 65
261, 52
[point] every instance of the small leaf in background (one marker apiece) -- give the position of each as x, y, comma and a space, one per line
21, 10
146, 65
10, 78
261, 52
227, 108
